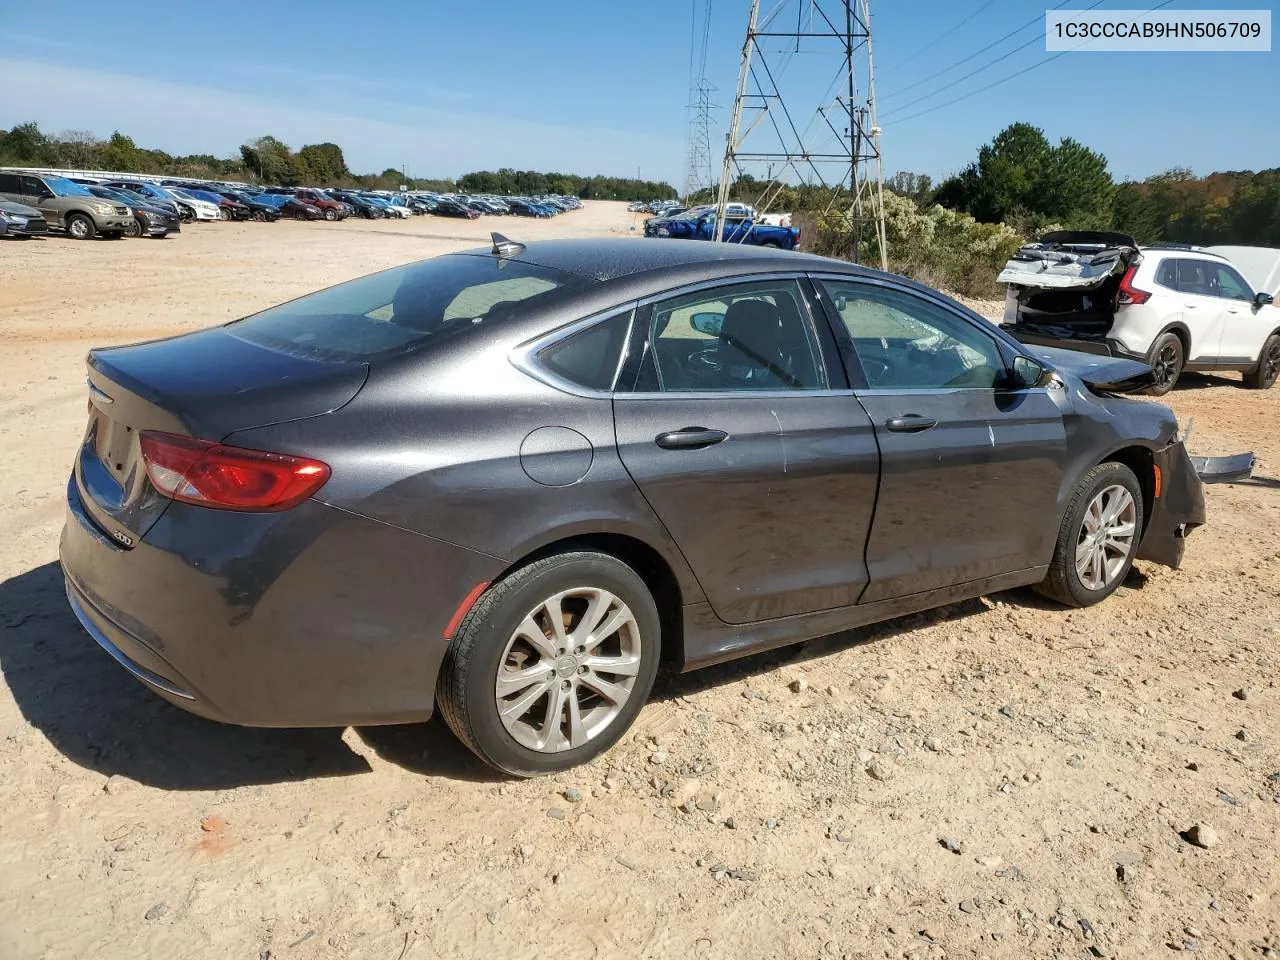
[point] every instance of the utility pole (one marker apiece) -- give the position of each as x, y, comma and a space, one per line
698, 173
841, 162
744, 71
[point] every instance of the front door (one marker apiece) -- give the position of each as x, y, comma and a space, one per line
1245, 326
970, 467
740, 433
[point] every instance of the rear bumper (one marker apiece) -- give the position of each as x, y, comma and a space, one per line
1104, 347
1176, 512
311, 617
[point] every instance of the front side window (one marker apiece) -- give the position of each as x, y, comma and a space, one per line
1230, 284
402, 308
750, 336
905, 342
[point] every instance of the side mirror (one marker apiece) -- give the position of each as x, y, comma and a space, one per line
1027, 372
708, 323
1262, 299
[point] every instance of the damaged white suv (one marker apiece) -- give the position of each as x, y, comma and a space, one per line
1174, 306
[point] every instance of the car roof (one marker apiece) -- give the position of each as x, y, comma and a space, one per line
605, 259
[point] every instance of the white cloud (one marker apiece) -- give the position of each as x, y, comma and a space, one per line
430, 141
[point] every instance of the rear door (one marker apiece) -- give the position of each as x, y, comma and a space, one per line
970, 467
734, 419
1203, 310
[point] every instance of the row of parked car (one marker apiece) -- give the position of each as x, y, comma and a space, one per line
33, 202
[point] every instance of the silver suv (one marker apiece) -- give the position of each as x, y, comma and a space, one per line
66, 205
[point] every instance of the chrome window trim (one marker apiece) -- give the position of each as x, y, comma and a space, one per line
735, 394
524, 357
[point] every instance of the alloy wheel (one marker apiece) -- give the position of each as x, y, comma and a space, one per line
1271, 365
1166, 365
568, 669
78, 228
1106, 537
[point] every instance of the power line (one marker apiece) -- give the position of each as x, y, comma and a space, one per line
994, 43
1019, 73
986, 66
946, 33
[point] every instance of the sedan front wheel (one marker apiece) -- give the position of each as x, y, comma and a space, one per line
552, 664
1098, 539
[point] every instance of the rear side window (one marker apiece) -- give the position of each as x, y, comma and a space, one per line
403, 308
1196, 277
9, 183
1167, 275
591, 357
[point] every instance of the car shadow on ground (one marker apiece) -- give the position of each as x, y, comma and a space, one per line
1200, 381
99, 717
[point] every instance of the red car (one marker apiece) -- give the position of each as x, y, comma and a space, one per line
331, 208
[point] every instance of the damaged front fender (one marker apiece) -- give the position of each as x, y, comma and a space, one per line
1176, 509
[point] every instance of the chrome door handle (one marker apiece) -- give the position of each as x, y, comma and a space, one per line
689, 438
910, 423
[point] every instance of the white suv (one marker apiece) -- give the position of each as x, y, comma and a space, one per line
1173, 306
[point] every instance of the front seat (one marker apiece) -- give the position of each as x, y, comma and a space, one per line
753, 346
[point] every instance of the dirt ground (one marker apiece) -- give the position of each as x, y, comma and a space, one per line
998, 779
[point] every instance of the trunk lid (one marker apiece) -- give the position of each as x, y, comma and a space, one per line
207, 384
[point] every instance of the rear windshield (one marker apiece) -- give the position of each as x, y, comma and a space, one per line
403, 308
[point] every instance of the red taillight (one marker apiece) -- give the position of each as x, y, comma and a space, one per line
1128, 292
228, 478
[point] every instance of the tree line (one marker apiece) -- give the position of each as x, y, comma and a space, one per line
1022, 180
268, 160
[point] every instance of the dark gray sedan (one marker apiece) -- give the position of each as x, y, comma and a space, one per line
510, 482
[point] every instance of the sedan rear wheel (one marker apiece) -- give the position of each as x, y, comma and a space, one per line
552, 665
1099, 536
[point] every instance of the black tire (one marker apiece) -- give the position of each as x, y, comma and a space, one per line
1064, 582
259, 216
1265, 374
186, 215
331, 215
134, 231
465, 691
80, 227
1167, 358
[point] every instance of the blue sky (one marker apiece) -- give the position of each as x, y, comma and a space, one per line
596, 86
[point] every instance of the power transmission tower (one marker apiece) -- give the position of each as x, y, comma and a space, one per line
700, 173
841, 157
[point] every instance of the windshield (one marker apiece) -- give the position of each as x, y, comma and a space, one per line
62, 187
402, 308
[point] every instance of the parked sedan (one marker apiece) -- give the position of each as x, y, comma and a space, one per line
258, 208
683, 453
289, 207
446, 207
361, 206
20, 220
148, 220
